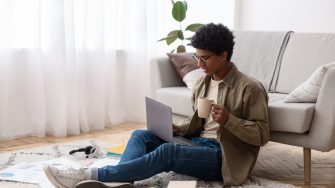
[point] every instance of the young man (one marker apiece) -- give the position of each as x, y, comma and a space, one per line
230, 138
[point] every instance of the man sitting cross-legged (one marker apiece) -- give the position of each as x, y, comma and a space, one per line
229, 139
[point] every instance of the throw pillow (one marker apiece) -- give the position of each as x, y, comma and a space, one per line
309, 90
186, 67
191, 78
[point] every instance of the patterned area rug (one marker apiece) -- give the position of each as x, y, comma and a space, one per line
62, 150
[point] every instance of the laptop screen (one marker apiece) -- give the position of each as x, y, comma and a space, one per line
159, 119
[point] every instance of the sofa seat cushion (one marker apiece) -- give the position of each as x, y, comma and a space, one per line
297, 116
290, 117
276, 96
179, 98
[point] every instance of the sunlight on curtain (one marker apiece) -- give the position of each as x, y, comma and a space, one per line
73, 65
68, 66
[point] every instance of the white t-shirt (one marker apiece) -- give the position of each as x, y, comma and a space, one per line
211, 126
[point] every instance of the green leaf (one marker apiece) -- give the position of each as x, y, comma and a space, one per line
171, 37
185, 3
172, 2
179, 11
170, 40
181, 49
173, 33
161, 39
189, 44
180, 35
172, 51
194, 27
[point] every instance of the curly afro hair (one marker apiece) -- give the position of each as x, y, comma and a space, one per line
216, 38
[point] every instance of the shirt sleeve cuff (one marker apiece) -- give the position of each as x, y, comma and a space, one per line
232, 122
183, 126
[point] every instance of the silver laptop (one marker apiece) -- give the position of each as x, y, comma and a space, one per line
159, 122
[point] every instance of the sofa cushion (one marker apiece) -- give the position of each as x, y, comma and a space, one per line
276, 96
309, 90
179, 98
186, 67
257, 53
191, 78
298, 116
290, 117
304, 53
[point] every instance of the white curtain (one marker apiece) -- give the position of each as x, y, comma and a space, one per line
70, 66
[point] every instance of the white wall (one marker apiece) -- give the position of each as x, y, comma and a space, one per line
284, 15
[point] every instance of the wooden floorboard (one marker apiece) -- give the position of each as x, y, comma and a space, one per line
285, 163
276, 161
118, 134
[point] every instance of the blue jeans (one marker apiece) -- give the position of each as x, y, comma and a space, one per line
147, 155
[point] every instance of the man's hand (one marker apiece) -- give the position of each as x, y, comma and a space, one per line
220, 114
176, 130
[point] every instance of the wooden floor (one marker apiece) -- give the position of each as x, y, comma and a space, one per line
276, 161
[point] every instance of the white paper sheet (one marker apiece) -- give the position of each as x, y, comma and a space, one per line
31, 172
22, 172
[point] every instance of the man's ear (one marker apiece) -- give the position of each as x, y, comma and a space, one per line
224, 55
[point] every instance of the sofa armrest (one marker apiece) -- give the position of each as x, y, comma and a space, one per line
322, 132
163, 75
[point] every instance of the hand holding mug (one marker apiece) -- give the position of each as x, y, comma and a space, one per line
220, 114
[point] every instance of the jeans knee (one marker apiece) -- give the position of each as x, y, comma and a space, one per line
167, 148
166, 153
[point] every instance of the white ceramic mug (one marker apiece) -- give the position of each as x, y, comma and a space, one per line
204, 107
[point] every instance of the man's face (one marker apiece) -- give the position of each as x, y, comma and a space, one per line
209, 62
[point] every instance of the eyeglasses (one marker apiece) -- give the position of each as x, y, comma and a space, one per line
202, 59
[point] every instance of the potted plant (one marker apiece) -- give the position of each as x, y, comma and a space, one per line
179, 9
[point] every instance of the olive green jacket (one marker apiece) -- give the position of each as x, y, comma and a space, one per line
246, 129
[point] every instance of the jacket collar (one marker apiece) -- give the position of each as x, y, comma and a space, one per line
228, 80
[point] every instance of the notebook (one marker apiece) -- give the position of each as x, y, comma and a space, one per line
182, 184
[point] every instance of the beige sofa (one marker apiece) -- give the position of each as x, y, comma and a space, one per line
281, 61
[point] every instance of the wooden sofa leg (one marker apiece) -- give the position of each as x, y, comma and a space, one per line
307, 165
